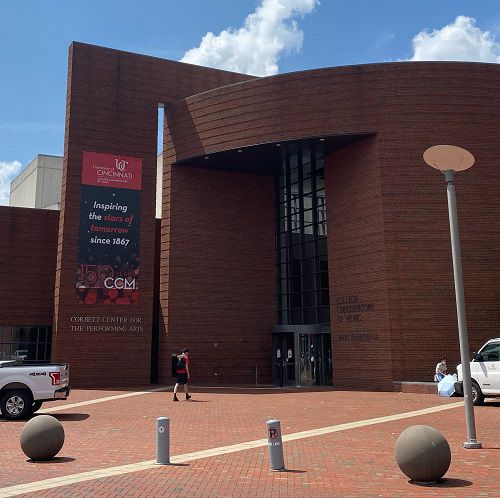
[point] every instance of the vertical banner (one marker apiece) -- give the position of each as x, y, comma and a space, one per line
110, 214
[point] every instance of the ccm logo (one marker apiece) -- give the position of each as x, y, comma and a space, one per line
56, 378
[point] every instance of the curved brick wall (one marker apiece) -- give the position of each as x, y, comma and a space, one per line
387, 214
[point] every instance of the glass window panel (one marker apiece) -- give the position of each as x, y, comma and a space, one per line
6, 334
308, 216
294, 177
295, 283
308, 266
307, 186
322, 263
308, 202
283, 239
322, 280
296, 317
308, 282
306, 168
324, 315
309, 299
296, 300
309, 230
323, 297
309, 249
306, 154
284, 302
282, 167
322, 245
282, 286
296, 252
309, 316
41, 334
320, 179
4, 351
293, 156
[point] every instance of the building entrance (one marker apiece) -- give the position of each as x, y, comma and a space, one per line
302, 359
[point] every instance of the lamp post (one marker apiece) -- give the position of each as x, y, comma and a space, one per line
448, 159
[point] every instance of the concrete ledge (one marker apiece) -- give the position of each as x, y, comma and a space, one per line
415, 387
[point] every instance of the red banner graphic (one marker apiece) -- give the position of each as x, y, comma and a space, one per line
108, 170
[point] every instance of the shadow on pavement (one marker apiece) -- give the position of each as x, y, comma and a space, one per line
491, 403
444, 483
52, 460
69, 417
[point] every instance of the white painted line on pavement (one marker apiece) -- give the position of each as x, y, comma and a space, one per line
102, 400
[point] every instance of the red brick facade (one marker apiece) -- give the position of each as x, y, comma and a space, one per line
391, 283
112, 107
28, 249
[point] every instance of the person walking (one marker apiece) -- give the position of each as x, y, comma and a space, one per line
182, 374
440, 369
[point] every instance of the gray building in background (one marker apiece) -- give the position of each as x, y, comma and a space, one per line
39, 184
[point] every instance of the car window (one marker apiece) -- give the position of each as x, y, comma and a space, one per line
491, 352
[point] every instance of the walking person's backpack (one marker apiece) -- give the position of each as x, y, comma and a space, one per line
178, 362
181, 362
174, 364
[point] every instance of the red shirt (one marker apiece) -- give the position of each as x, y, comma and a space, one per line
183, 370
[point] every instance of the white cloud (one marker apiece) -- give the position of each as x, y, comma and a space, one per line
460, 41
8, 171
255, 48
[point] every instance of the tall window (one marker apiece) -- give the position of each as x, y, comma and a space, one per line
29, 344
301, 250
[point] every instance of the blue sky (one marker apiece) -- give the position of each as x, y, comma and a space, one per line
279, 36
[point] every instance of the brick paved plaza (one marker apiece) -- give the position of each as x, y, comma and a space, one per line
113, 432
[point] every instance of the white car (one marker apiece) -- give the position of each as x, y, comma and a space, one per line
23, 388
484, 371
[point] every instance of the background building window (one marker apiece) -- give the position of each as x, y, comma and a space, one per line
29, 344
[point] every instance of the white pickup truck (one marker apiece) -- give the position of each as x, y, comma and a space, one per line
23, 388
484, 372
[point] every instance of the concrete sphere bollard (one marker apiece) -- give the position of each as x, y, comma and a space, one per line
422, 453
42, 437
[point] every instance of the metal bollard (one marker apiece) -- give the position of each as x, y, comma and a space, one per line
275, 445
162, 441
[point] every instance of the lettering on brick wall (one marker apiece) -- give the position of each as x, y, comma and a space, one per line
130, 324
350, 309
359, 337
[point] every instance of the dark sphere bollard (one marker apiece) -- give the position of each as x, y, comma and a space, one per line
42, 437
422, 453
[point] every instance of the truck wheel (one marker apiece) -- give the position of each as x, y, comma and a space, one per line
36, 406
16, 405
477, 394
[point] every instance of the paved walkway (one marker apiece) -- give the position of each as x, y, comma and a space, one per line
336, 444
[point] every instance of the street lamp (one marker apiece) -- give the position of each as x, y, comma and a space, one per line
448, 159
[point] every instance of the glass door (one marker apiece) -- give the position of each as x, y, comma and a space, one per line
284, 360
315, 364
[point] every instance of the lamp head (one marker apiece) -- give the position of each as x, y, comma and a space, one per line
446, 157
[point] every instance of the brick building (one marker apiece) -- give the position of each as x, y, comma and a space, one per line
303, 240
